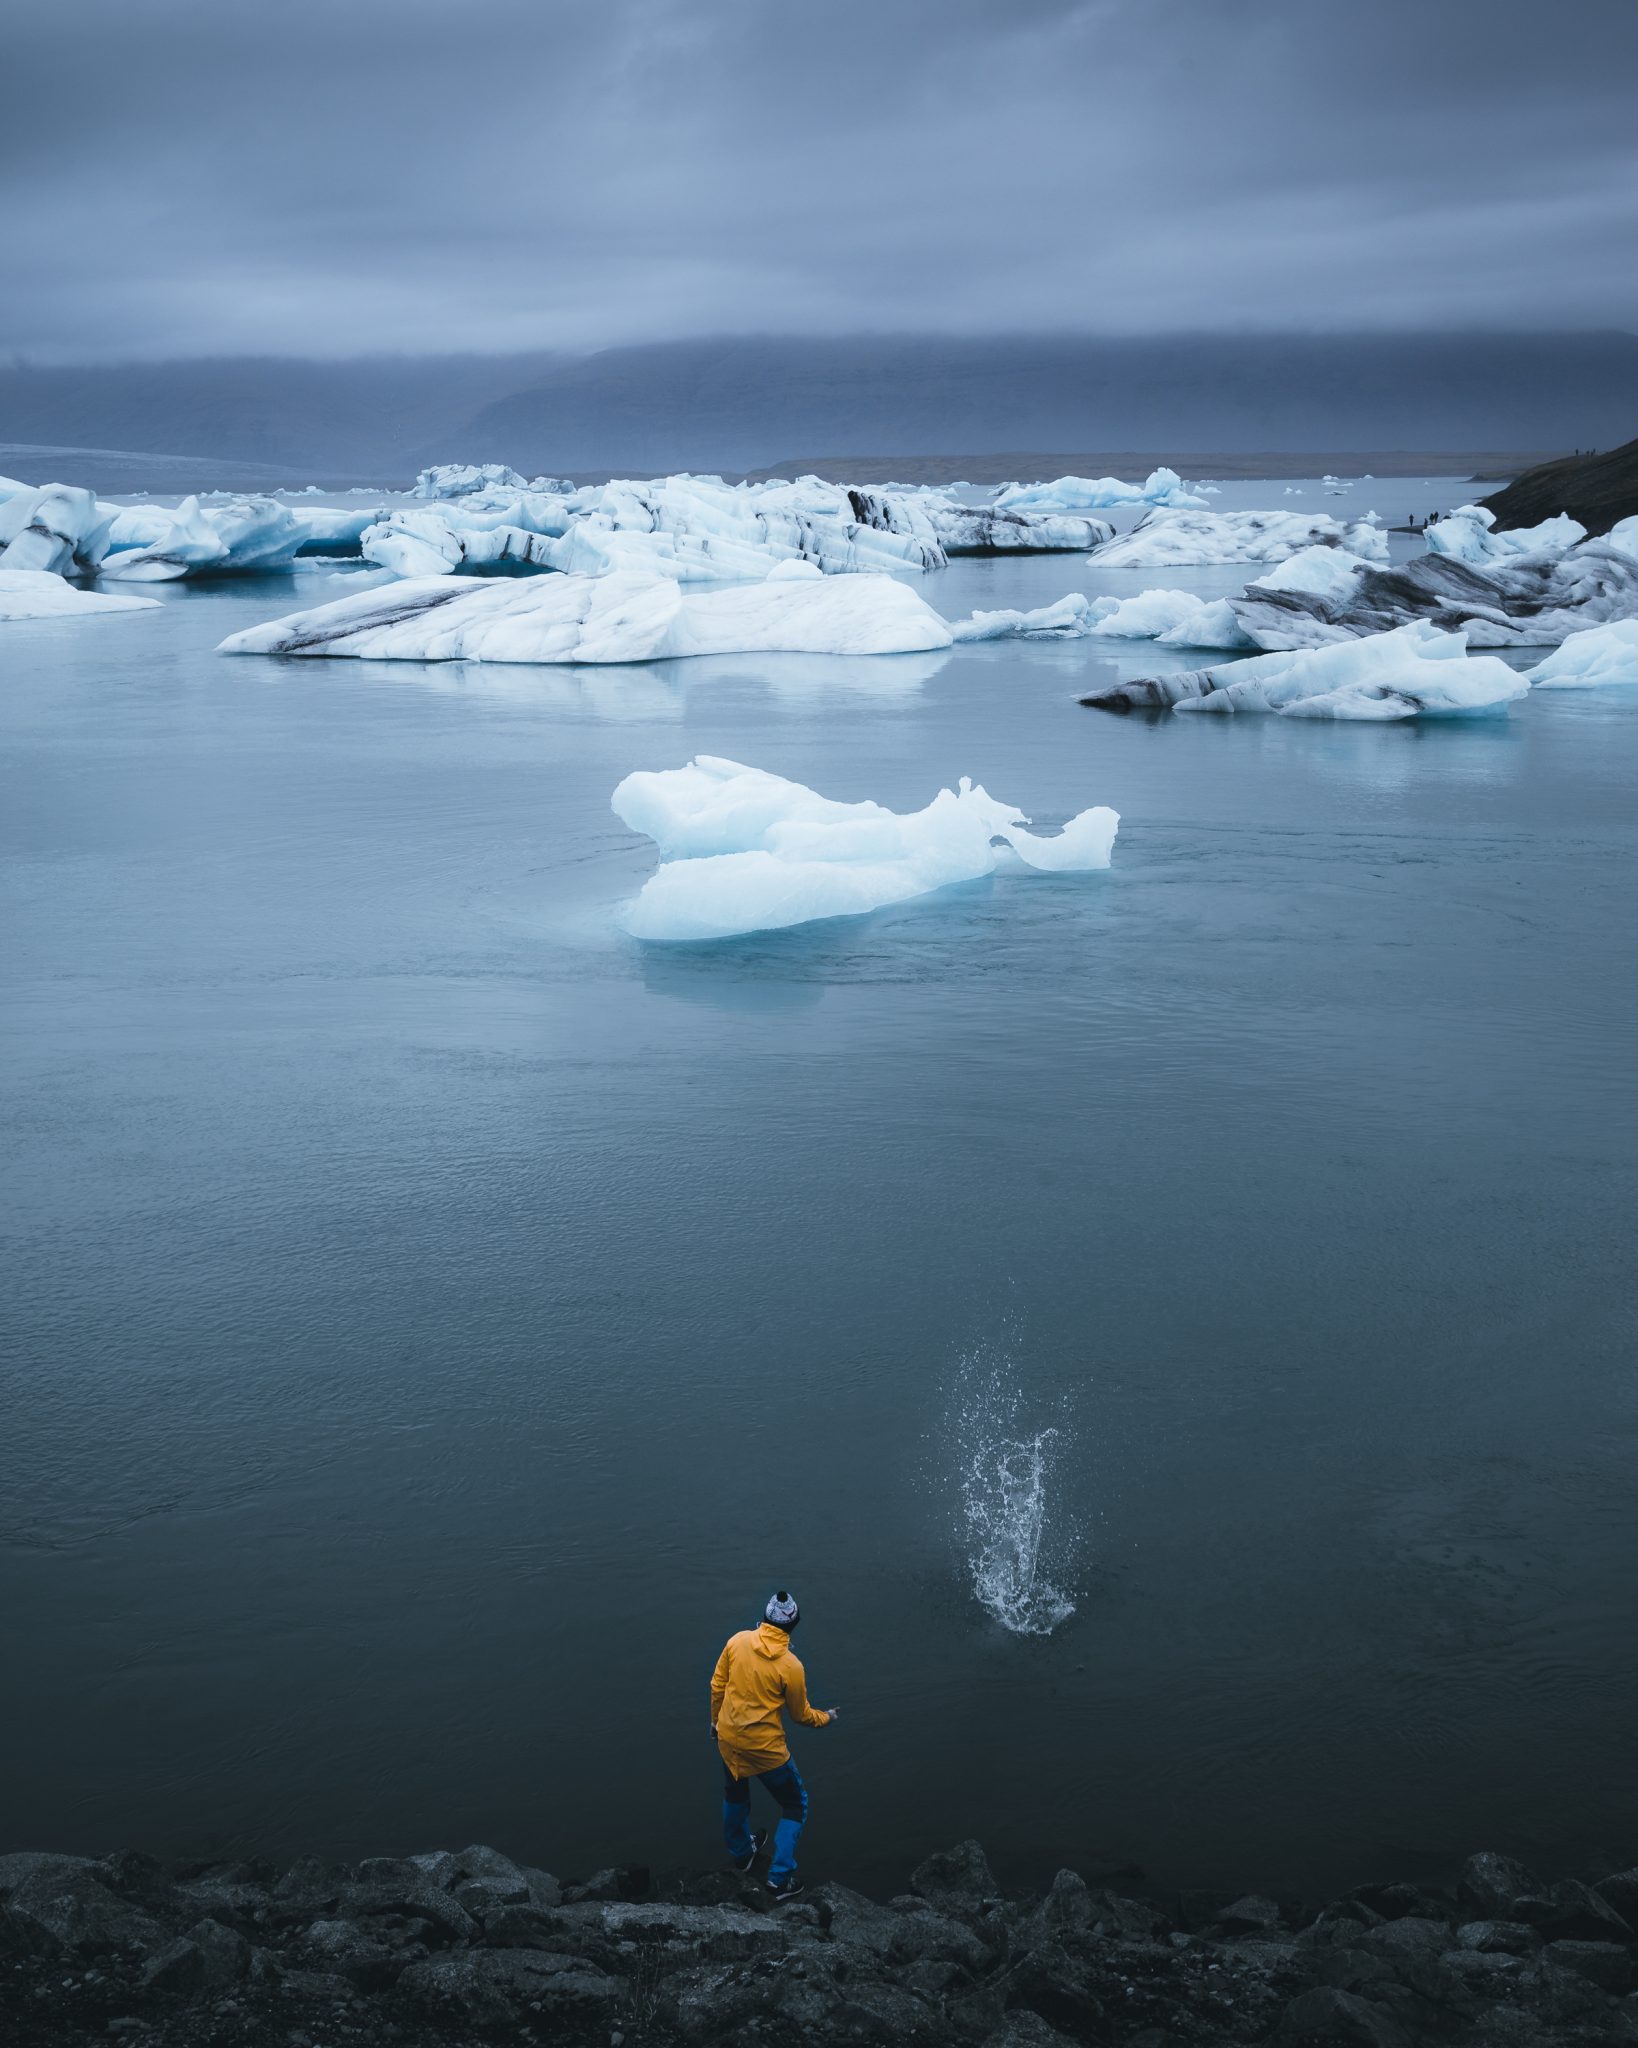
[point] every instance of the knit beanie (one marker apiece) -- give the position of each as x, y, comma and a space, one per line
782, 1611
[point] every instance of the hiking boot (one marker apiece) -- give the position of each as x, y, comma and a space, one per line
790, 1887
743, 1864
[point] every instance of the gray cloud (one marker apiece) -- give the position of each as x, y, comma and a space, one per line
331, 176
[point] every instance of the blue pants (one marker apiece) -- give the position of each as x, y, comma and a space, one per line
784, 1781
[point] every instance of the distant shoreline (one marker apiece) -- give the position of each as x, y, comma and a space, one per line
1031, 466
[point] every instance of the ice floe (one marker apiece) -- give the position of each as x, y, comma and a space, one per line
436, 540
231, 536
1588, 660
1168, 539
744, 851
1097, 493
621, 617
57, 528
1069, 619
41, 594
1413, 672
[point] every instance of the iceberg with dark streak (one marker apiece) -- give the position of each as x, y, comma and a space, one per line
1413, 672
228, 537
745, 851
615, 618
60, 529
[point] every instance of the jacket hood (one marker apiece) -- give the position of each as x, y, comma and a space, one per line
772, 1641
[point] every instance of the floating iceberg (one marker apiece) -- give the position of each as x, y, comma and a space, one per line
464, 479
981, 530
1413, 672
1069, 619
334, 529
1329, 572
234, 536
39, 594
1513, 601
1587, 660
605, 619
1183, 540
59, 529
744, 851
1173, 618
1091, 494
1468, 535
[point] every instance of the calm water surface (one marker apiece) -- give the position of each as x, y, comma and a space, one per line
433, 1320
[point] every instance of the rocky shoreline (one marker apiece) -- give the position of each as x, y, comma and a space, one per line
472, 1948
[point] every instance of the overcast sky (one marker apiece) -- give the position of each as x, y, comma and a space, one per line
338, 176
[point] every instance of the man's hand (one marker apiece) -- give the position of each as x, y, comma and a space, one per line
831, 1713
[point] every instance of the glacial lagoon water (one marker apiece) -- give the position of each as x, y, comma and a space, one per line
433, 1320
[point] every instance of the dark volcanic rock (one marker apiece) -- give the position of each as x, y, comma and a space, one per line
1571, 1912
1331, 2017
961, 1875
1490, 1883
1608, 1964
1598, 490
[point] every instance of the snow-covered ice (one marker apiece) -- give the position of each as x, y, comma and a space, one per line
57, 528
1097, 493
743, 851
1069, 619
41, 594
230, 536
1328, 572
1413, 672
622, 617
1585, 661
438, 540
1169, 539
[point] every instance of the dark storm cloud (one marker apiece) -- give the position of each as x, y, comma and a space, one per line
341, 175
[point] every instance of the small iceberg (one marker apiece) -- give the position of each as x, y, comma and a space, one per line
231, 537
1413, 672
57, 529
1069, 619
1588, 660
745, 851
1171, 618
1096, 493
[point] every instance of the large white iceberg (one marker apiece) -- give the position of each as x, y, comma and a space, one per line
1413, 672
230, 536
1585, 661
1182, 540
56, 528
438, 540
1092, 494
605, 619
745, 851
40, 594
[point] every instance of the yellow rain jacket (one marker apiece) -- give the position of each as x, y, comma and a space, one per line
757, 1676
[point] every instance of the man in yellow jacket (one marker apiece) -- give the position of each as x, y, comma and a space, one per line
759, 1677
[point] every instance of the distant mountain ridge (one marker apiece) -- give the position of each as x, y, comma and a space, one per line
739, 404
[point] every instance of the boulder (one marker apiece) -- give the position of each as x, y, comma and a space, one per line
855, 1922
308, 1889
22, 1864
1406, 1937
1621, 1892
626, 1881
388, 1887
497, 1874
78, 1912
207, 1958
1061, 1987
1253, 1914
1608, 1964
1328, 2016
487, 1988
1569, 1911
960, 1876
930, 1936
1065, 1914
1498, 1937
521, 1927
1025, 2029
352, 1950
721, 1933
1396, 1901
1490, 1883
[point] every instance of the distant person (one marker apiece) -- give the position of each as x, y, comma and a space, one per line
758, 1678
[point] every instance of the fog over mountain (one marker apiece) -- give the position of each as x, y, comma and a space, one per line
749, 403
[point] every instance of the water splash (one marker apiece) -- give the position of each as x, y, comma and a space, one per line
1013, 1539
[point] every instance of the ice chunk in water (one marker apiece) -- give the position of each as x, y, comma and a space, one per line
1602, 654
745, 851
